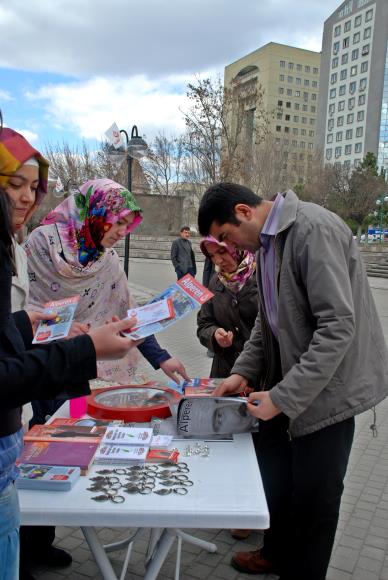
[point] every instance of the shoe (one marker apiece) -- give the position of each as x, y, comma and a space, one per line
53, 558
240, 534
252, 563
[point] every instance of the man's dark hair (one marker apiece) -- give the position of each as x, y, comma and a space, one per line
185, 229
218, 203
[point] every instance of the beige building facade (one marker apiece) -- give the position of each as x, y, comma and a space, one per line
289, 78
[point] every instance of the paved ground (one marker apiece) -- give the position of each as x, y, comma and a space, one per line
361, 549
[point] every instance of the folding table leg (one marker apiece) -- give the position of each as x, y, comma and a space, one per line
99, 554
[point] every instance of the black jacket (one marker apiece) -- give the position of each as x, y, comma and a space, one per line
235, 312
61, 368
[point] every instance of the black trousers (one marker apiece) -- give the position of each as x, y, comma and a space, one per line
303, 483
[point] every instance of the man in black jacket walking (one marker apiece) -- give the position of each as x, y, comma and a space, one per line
182, 255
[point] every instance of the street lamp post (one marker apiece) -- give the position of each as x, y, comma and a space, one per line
380, 202
136, 148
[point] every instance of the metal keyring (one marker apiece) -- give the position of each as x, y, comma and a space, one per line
181, 477
187, 483
145, 490
120, 471
111, 492
182, 464
183, 470
117, 485
113, 479
117, 499
153, 468
180, 490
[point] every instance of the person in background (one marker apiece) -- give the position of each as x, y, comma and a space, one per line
62, 367
319, 353
182, 255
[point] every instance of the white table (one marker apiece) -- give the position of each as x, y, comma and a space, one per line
227, 493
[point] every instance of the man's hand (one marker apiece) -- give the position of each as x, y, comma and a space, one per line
35, 317
173, 367
232, 385
264, 408
223, 338
108, 342
78, 328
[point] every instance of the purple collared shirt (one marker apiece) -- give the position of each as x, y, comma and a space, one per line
268, 263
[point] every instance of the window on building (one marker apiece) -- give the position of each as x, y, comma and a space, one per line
295, 131
365, 50
353, 70
286, 129
281, 78
360, 115
289, 92
341, 105
328, 153
338, 152
291, 66
350, 118
329, 138
301, 158
294, 143
367, 33
356, 37
361, 100
313, 96
303, 132
359, 131
347, 26
290, 79
314, 84
336, 46
306, 83
352, 87
297, 93
337, 30
277, 140
279, 115
364, 66
340, 121
312, 121
369, 15
345, 58
358, 148
348, 149
278, 128
296, 118
330, 124
331, 108
305, 96
357, 21
334, 62
298, 81
302, 145
288, 104
299, 67
351, 103
349, 134
338, 136
307, 69
310, 146
305, 108
288, 117
296, 106
281, 90
280, 103
313, 108
346, 42
347, 163
362, 84
282, 64
342, 90
344, 74
285, 141
311, 133
355, 53
333, 93
304, 120
333, 78
315, 70
357, 162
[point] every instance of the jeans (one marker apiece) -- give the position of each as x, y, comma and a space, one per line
303, 483
9, 533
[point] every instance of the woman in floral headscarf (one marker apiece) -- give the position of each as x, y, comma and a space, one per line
71, 254
226, 321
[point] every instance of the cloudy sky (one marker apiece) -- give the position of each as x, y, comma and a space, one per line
69, 68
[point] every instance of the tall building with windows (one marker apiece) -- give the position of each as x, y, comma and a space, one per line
353, 97
289, 77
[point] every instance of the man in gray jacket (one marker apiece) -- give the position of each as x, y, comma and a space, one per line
182, 255
319, 353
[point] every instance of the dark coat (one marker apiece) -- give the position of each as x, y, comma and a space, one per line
235, 312
182, 256
41, 372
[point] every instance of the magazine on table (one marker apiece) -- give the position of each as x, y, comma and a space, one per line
186, 295
201, 416
48, 477
59, 327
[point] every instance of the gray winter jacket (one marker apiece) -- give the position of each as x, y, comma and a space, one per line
182, 256
332, 351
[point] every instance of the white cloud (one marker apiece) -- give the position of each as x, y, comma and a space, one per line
90, 107
5, 96
29, 135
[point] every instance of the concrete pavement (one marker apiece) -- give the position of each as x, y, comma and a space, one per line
361, 547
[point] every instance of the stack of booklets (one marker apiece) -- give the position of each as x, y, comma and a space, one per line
62, 443
47, 477
123, 445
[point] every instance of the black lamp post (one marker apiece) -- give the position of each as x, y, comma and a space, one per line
136, 148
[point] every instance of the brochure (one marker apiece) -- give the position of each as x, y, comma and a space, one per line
72, 433
59, 327
48, 477
201, 416
121, 454
127, 436
187, 295
151, 313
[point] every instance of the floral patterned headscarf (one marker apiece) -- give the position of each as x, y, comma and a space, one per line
246, 264
84, 218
